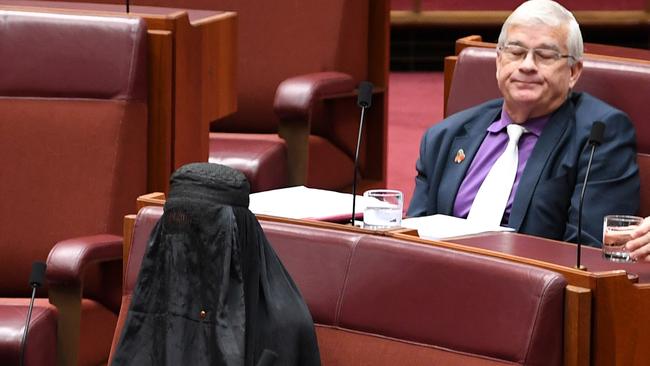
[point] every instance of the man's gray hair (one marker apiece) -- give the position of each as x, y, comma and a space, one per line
550, 13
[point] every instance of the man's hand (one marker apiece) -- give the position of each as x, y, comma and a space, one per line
639, 246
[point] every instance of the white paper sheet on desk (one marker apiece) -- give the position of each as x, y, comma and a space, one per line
301, 202
442, 226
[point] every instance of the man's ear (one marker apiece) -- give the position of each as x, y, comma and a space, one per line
576, 70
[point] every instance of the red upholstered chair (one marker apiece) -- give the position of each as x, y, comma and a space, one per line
73, 160
623, 83
384, 301
592, 51
138, 234
298, 66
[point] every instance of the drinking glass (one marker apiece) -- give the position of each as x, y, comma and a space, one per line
617, 230
383, 208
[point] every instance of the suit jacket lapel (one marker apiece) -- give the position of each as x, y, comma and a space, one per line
469, 140
548, 140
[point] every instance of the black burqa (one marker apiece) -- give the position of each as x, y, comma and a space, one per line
211, 290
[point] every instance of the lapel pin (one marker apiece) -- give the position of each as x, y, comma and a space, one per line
460, 156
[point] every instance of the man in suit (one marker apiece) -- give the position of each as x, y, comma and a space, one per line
520, 160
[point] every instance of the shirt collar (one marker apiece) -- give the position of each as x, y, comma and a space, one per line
533, 125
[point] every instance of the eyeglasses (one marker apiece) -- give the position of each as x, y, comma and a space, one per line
541, 56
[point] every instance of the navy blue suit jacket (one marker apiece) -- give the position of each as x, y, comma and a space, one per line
546, 201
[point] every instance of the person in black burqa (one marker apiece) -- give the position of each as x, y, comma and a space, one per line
211, 290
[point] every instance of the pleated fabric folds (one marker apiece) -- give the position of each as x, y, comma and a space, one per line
211, 290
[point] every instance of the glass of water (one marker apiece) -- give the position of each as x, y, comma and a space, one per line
383, 209
617, 230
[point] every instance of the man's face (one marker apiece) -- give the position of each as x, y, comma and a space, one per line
531, 84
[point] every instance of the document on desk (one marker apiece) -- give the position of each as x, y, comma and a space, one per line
301, 202
437, 227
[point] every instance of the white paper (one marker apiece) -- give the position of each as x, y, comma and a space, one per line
301, 202
436, 227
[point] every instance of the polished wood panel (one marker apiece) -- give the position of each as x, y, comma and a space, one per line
202, 82
159, 136
577, 326
596, 18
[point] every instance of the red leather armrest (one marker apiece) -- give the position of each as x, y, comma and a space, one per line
295, 96
69, 258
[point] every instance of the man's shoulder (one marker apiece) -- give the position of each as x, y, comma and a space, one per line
589, 109
588, 105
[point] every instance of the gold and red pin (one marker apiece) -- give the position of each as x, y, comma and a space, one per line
460, 156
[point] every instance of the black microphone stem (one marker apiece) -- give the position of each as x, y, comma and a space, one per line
29, 317
356, 165
127, 6
582, 197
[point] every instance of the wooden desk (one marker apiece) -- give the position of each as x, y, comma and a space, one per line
192, 61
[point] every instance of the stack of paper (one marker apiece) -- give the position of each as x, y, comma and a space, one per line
442, 226
301, 202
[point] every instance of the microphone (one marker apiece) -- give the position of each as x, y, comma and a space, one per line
364, 100
35, 281
128, 6
595, 139
267, 358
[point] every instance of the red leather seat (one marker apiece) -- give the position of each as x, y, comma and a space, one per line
73, 128
40, 346
298, 66
262, 157
383, 301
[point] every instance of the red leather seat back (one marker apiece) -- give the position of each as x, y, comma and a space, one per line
626, 86
362, 289
72, 132
145, 222
455, 300
261, 157
318, 260
382, 299
474, 80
